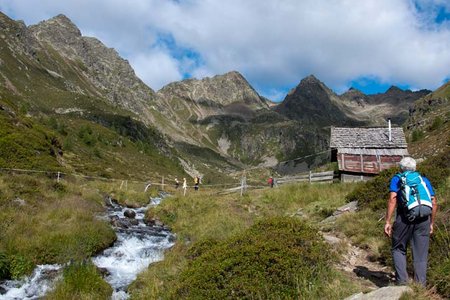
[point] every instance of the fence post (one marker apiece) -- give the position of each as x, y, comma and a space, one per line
243, 184
57, 180
310, 176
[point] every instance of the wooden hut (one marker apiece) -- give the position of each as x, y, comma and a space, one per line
362, 153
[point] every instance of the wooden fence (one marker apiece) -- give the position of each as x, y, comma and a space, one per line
307, 177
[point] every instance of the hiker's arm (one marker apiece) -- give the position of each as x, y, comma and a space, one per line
433, 213
392, 203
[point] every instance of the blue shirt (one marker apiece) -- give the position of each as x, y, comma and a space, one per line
395, 185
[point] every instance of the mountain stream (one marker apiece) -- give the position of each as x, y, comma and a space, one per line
138, 244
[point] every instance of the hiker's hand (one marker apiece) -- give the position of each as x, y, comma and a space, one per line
388, 229
431, 228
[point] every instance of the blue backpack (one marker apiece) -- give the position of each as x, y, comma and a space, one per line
415, 196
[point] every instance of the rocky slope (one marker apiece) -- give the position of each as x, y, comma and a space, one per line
214, 123
313, 102
428, 124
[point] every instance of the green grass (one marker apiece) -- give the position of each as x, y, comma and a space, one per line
81, 281
366, 226
45, 222
261, 262
214, 231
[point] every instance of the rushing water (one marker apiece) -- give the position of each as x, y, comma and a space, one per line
138, 245
32, 287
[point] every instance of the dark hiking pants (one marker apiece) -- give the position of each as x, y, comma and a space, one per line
418, 233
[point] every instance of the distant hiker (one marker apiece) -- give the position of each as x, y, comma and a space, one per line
414, 198
184, 186
177, 183
196, 182
270, 181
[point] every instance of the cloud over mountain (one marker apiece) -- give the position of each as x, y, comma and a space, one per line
273, 43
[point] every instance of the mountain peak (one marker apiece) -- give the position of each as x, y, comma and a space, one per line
310, 79
393, 89
223, 89
353, 92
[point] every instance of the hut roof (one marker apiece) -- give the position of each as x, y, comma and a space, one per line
344, 137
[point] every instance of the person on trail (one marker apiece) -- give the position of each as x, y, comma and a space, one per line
270, 181
177, 183
410, 225
196, 182
184, 186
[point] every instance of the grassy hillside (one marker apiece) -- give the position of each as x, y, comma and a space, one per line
366, 230
428, 127
226, 242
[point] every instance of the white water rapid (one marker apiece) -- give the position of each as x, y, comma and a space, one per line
32, 287
138, 245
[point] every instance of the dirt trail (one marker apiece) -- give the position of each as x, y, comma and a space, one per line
356, 262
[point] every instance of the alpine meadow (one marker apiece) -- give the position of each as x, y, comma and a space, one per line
112, 190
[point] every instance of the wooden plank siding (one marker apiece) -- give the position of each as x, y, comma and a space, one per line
370, 164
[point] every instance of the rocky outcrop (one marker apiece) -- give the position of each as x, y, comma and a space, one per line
111, 75
219, 91
314, 103
384, 293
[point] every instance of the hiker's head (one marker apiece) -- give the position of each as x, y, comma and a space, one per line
408, 164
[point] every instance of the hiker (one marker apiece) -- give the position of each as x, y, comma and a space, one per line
270, 181
196, 182
177, 183
410, 225
184, 186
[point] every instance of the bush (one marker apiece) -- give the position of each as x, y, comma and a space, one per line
373, 194
436, 169
417, 135
20, 266
437, 123
4, 266
279, 258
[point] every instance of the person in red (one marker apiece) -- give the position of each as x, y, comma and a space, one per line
270, 181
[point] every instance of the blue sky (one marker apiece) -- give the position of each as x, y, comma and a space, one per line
370, 44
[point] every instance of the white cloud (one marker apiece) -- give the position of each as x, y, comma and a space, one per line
156, 68
274, 43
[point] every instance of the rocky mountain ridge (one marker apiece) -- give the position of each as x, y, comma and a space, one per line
111, 75
52, 67
313, 102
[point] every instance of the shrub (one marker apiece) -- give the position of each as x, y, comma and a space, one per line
437, 168
280, 258
437, 123
4, 266
20, 266
417, 135
373, 194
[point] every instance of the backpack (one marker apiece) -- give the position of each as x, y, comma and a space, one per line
415, 196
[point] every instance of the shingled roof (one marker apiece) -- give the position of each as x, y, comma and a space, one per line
342, 137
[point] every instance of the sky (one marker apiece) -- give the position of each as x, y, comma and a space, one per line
369, 45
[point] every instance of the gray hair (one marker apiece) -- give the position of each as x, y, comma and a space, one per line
408, 164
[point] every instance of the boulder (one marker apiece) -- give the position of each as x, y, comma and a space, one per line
131, 214
384, 293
